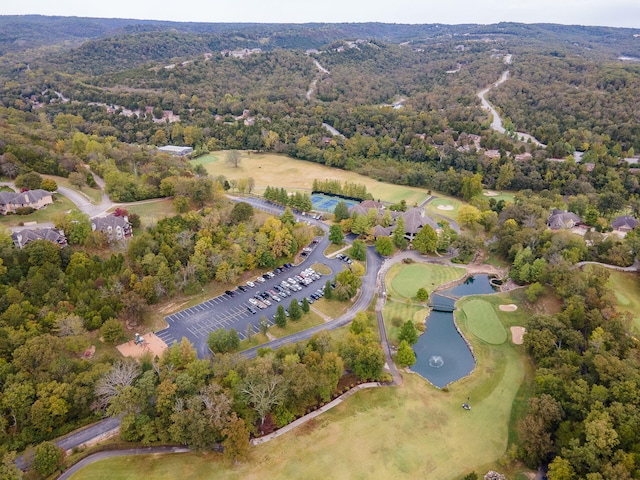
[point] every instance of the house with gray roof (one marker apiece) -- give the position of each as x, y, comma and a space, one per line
115, 228
415, 220
36, 199
28, 235
560, 219
624, 223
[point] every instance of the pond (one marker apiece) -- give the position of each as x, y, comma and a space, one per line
442, 354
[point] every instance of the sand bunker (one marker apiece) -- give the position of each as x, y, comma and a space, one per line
490, 193
517, 335
508, 308
151, 344
445, 207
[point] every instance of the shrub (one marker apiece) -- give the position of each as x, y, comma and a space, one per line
24, 210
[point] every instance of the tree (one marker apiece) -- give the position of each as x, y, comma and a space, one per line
263, 325
181, 204
236, 442
422, 294
398, 234
76, 226
77, 179
328, 291
223, 340
263, 388
295, 312
384, 246
47, 458
347, 284
233, 158
121, 375
305, 305
8, 468
335, 235
426, 240
358, 250
241, 212
408, 333
281, 317
112, 331
471, 186
287, 217
49, 185
405, 356
28, 181
341, 211
469, 215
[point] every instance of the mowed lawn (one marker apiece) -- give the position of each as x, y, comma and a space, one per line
453, 203
151, 211
270, 169
396, 313
626, 288
482, 320
405, 280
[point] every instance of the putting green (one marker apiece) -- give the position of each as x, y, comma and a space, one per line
405, 280
483, 322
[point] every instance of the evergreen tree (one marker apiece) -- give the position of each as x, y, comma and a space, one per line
408, 333
328, 291
295, 312
305, 305
335, 235
341, 211
426, 240
405, 356
281, 317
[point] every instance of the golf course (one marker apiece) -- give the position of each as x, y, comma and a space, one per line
270, 169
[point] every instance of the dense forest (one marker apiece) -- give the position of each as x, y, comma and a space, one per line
102, 94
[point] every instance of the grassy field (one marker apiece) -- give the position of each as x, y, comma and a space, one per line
411, 431
626, 287
152, 211
282, 171
405, 280
482, 320
60, 205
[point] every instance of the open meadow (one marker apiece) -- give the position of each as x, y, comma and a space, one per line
270, 169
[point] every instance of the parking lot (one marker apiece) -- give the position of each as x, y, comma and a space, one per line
234, 308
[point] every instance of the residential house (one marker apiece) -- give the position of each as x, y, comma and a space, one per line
560, 219
116, 228
36, 199
624, 223
27, 235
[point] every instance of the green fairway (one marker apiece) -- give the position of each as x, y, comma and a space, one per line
626, 288
506, 196
482, 320
405, 280
270, 169
446, 206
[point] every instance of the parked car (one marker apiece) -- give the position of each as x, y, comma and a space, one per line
251, 284
230, 293
243, 288
260, 279
252, 310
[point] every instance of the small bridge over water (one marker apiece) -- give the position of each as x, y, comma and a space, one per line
441, 307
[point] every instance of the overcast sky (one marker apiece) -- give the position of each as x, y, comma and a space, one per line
618, 13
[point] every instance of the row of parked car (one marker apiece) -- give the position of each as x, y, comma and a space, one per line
263, 300
344, 258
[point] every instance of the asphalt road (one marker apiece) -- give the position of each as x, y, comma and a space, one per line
229, 312
120, 453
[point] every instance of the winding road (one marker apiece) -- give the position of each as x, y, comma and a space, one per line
496, 121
